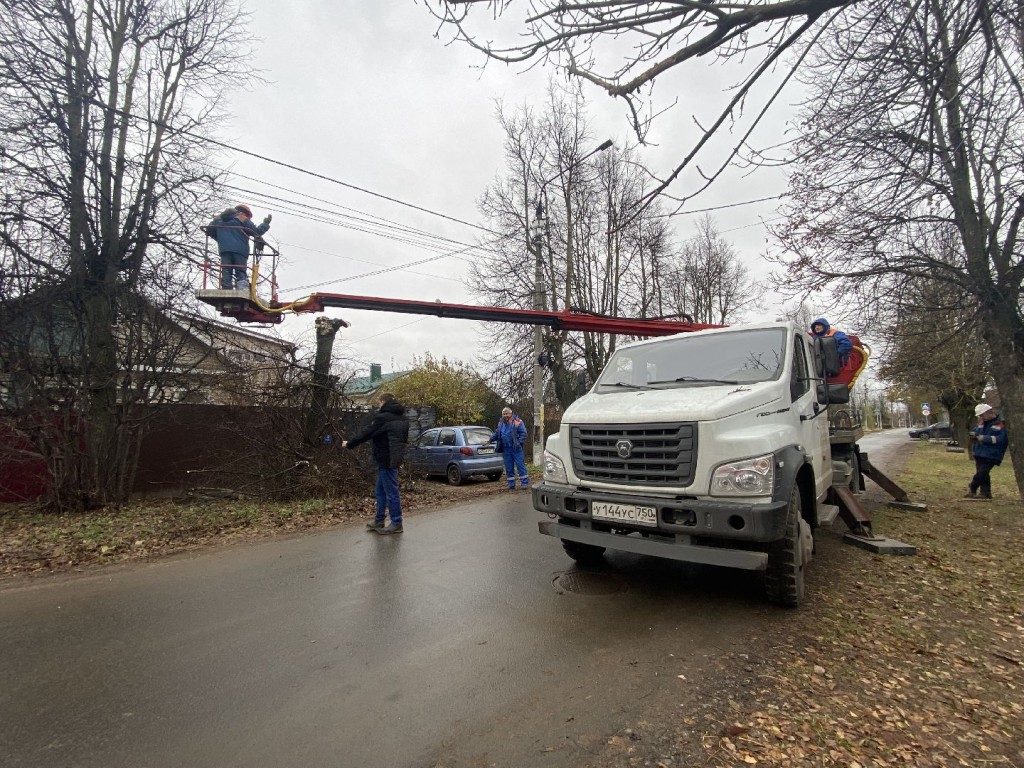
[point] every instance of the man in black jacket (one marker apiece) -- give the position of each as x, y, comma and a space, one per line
389, 431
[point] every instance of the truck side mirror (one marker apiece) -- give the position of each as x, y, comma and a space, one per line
833, 394
826, 353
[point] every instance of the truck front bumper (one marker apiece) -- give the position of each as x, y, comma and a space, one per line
713, 519
673, 548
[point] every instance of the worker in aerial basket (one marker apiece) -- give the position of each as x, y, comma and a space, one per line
232, 230
820, 328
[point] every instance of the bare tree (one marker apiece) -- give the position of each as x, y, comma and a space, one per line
103, 110
916, 124
708, 282
571, 35
935, 344
595, 255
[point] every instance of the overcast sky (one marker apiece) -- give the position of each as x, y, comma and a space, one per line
363, 93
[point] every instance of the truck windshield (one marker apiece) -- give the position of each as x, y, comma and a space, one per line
742, 357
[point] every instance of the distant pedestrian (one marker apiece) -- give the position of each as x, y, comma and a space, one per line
990, 439
232, 230
389, 431
509, 437
821, 327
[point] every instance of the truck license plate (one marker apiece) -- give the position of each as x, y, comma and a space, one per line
624, 513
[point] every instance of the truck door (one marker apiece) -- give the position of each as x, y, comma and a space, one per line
813, 425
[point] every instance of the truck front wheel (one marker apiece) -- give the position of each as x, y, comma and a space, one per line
582, 553
787, 557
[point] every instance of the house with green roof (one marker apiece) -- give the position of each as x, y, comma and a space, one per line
363, 390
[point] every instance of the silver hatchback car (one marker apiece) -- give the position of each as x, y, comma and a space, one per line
456, 453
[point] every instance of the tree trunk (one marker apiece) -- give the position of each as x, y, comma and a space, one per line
102, 469
318, 416
1004, 334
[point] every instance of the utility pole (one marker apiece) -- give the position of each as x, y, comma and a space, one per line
539, 231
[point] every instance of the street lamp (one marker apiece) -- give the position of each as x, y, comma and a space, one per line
540, 232
538, 227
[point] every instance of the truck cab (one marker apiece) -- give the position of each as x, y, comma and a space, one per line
708, 447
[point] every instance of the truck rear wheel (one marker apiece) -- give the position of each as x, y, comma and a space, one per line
582, 553
787, 557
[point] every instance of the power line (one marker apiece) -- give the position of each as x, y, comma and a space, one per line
755, 224
367, 261
401, 233
719, 207
385, 270
290, 166
371, 218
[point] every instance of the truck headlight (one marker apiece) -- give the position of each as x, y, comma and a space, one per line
554, 469
750, 477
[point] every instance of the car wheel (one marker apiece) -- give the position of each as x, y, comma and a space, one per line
494, 475
454, 475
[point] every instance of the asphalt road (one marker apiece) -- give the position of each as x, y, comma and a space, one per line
468, 640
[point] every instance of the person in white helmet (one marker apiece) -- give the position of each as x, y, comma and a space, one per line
990, 440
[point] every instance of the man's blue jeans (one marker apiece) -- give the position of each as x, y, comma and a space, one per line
387, 496
232, 270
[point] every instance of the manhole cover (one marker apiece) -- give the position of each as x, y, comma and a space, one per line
588, 583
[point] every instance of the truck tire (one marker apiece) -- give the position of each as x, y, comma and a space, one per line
784, 577
582, 553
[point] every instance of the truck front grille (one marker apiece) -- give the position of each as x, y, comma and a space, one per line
635, 454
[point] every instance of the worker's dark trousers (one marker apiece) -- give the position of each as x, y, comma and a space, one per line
981, 483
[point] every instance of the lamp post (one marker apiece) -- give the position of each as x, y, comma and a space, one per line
540, 232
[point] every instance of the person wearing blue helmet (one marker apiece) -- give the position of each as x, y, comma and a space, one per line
821, 327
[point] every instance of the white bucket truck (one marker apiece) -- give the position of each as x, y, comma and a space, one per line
708, 447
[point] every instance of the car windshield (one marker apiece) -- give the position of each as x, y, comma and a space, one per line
477, 436
742, 357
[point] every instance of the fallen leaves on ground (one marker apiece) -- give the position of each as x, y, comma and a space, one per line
900, 661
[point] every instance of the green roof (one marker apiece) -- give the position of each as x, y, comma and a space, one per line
361, 385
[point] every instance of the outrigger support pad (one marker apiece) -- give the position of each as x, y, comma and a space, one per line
880, 545
858, 519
